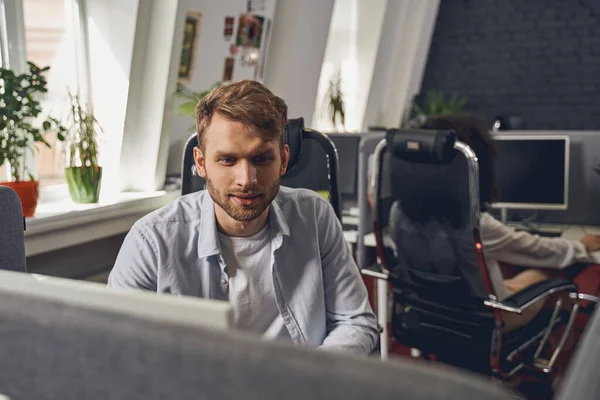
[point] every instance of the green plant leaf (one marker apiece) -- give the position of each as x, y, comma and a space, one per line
19, 127
187, 108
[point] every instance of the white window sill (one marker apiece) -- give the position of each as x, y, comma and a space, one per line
60, 223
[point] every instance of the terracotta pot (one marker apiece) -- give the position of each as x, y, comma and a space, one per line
28, 191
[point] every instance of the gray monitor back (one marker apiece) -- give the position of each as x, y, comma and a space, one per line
62, 350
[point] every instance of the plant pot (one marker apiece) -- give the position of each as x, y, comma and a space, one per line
28, 192
84, 183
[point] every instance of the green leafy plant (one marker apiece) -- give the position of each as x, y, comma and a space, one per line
21, 122
334, 101
435, 103
82, 171
191, 98
82, 137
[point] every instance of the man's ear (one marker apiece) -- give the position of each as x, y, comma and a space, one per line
285, 159
200, 162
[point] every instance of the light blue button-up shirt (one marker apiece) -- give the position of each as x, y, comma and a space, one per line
317, 285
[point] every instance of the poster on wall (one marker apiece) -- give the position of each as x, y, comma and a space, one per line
228, 28
249, 31
190, 41
228, 69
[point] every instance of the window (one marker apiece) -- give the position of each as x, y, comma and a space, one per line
50, 42
89, 47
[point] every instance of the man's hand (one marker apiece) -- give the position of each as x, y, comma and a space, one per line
591, 242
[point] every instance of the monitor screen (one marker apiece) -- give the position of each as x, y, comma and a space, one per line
347, 150
532, 172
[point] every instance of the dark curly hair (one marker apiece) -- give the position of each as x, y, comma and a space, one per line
472, 131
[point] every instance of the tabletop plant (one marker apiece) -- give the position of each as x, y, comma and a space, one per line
82, 170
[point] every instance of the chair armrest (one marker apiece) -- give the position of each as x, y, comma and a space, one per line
531, 294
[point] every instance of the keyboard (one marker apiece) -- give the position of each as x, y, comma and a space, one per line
550, 234
543, 233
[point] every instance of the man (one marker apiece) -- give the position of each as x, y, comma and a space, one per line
277, 254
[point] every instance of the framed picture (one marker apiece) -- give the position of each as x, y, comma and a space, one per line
228, 28
188, 50
250, 29
228, 69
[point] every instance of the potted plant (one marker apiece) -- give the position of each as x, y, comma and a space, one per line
21, 127
82, 170
334, 102
190, 99
434, 103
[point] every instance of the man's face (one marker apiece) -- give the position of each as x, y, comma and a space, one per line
241, 169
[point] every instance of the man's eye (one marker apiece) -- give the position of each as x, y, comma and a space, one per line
262, 159
227, 160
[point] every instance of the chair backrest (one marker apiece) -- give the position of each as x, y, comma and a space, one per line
67, 350
12, 227
313, 164
429, 182
433, 214
190, 180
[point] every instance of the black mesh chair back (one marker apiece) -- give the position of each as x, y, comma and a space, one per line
426, 212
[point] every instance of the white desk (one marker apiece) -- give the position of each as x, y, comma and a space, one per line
570, 232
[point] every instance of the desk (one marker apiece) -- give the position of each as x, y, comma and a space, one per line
570, 232
350, 226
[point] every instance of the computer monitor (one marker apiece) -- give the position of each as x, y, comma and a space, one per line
346, 145
130, 303
532, 172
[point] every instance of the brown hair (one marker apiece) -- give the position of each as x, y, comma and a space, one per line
248, 102
473, 131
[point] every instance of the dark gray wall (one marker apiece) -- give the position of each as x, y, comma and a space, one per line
537, 59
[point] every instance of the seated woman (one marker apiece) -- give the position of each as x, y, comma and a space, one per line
502, 244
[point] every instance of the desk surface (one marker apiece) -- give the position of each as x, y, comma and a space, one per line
570, 232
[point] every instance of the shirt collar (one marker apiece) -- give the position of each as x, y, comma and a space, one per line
277, 219
209, 236
209, 244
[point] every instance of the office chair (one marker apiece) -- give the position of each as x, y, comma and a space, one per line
12, 227
313, 164
430, 248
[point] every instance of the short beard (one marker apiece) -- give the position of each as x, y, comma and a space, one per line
242, 213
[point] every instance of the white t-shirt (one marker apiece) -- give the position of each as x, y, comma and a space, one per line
251, 292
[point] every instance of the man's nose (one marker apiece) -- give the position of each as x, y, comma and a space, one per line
246, 174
